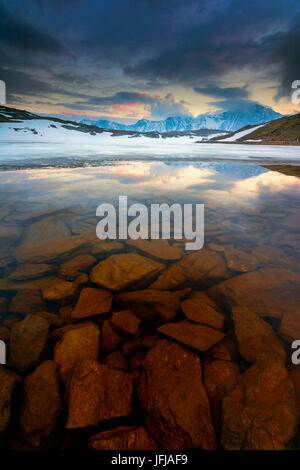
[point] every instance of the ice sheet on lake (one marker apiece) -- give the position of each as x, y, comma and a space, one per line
38, 142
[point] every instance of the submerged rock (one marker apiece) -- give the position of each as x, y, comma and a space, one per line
110, 339
151, 305
123, 438
261, 411
119, 272
9, 383
174, 399
76, 344
46, 252
28, 342
72, 268
92, 302
32, 271
116, 360
290, 325
61, 292
254, 335
41, 403
202, 309
103, 248
159, 249
27, 301
192, 334
125, 322
268, 292
97, 393
200, 269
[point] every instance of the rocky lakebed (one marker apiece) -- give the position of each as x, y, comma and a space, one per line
140, 344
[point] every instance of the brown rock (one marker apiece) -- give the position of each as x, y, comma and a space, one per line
62, 292
126, 270
220, 377
4, 333
137, 360
201, 269
97, 393
261, 411
58, 333
125, 322
52, 319
159, 249
32, 271
129, 347
76, 344
151, 305
268, 292
72, 268
116, 360
254, 335
10, 234
41, 403
290, 325
7, 284
28, 341
240, 260
9, 383
92, 302
123, 438
294, 375
225, 350
203, 310
110, 339
45, 252
192, 334
27, 301
174, 399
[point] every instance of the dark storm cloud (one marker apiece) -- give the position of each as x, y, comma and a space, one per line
217, 92
286, 52
146, 44
17, 33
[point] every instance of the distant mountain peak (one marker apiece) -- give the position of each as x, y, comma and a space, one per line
250, 113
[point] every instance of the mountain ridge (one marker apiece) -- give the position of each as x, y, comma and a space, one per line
231, 120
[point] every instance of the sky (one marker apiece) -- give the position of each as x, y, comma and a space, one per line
125, 60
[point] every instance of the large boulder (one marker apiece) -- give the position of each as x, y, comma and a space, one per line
28, 342
151, 305
110, 339
92, 302
119, 272
261, 412
200, 337
123, 438
41, 403
290, 326
268, 292
174, 399
254, 335
9, 383
76, 344
96, 393
200, 269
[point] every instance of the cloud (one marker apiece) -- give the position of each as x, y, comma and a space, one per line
227, 93
17, 33
163, 108
159, 107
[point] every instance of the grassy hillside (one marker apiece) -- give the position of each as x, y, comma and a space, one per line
283, 131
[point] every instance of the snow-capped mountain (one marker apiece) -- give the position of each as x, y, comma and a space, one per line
250, 114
